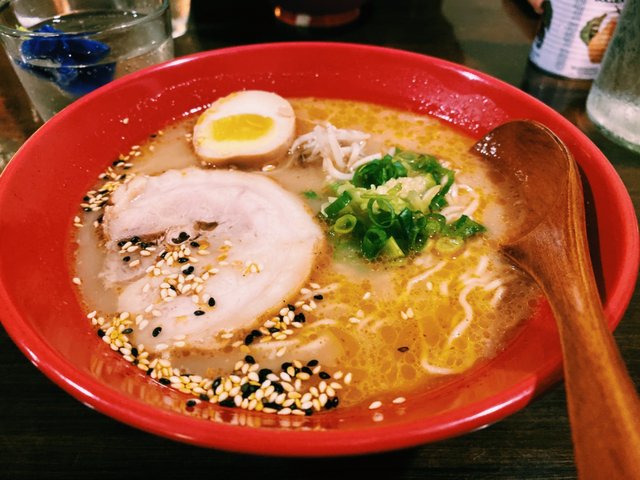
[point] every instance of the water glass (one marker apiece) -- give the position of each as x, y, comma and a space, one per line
63, 49
614, 99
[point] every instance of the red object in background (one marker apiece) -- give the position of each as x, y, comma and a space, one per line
317, 13
43, 185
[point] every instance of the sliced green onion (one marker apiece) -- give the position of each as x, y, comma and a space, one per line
377, 172
373, 241
464, 227
310, 194
449, 245
435, 224
333, 209
345, 224
392, 250
381, 212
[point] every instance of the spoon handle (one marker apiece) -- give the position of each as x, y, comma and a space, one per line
604, 408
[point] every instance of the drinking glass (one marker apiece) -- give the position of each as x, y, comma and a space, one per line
613, 104
63, 49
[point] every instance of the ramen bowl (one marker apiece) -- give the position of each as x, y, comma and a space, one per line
43, 185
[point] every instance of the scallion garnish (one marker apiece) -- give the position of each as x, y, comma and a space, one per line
388, 210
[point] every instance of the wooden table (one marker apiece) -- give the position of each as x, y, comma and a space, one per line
46, 433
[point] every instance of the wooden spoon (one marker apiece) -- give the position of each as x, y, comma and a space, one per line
550, 244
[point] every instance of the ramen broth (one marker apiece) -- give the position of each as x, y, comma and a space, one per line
397, 329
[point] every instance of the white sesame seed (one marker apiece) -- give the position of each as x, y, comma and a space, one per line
366, 296
378, 417
347, 378
399, 400
374, 405
281, 351
77, 281
92, 314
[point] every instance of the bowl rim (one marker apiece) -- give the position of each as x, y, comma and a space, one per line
331, 442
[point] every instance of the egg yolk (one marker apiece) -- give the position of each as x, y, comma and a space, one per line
241, 127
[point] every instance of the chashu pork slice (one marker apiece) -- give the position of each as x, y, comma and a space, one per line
243, 245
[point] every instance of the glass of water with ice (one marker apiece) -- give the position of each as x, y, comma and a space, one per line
63, 49
614, 99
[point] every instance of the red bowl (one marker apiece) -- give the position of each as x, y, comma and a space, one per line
43, 184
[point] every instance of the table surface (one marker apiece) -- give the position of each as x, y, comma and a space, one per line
46, 433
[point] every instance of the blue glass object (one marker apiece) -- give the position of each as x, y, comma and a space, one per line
73, 58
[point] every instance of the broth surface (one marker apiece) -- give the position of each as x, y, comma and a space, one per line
395, 329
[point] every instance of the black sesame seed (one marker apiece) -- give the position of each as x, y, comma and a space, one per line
306, 370
194, 244
101, 333
324, 375
135, 362
100, 219
216, 383
197, 313
212, 302
273, 405
285, 366
333, 402
115, 163
191, 403
300, 318
163, 254
86, 199
144, 245
277, 387
249, 359
153, 135
173, 287
403, 349
126, 259
318, 297
273, 329
312, 363
248, 340
87, 209
189, 270
149, 371
164, 381
134, 352
156, 331
204, 397
227, 402
126, 331
134, 239
263, 373
183, 260
256, 333
247, 389
308, 412
291, 307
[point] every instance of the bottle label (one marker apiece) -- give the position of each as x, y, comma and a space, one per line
574, 35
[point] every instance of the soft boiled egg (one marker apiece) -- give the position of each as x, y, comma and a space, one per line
248, 128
